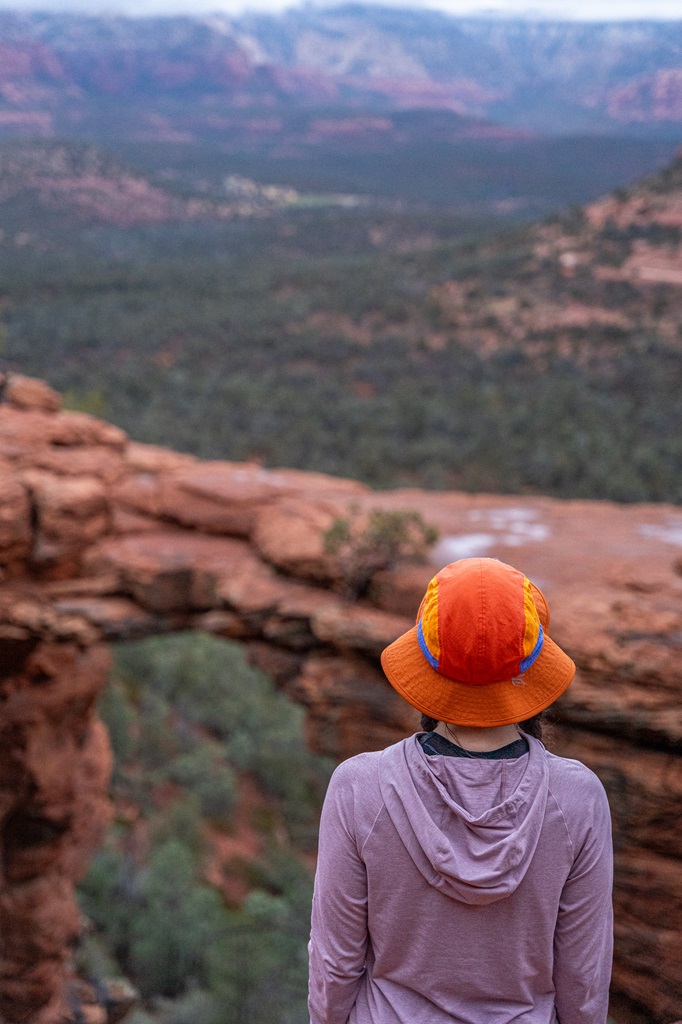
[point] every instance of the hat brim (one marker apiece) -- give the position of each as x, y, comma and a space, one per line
476, 704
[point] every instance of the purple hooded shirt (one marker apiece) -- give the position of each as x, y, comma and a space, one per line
462, 890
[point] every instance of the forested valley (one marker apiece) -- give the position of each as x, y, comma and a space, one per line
397, 345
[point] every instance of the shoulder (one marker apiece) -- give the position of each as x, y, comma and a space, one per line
569, 772
354, 795
573, 776
580, 796
363, 769
354, 783
359, 769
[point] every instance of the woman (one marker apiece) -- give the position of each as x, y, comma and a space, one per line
465, 873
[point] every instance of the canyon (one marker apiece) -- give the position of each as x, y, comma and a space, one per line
104, 539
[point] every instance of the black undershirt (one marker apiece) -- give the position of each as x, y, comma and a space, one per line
433, 743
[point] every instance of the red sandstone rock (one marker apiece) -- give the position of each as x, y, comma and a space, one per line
213, 501
401, 589
139, 493
645, 790
251, 588
149, 458
29, 393
291, 534
165, 571
628, 658
648, 908
114, 618
76, 428
43, 920
71, 513
124, 521
97, 460
279, 664
22, 617
291, 623
358, 628
651, 978
22, 432
48, 696
73, 508
216, 497
351, 706
15, 520
645, 786
92, 808
226, 624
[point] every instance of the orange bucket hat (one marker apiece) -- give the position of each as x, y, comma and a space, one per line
479, 654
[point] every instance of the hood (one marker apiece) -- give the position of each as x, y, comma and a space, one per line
470, 825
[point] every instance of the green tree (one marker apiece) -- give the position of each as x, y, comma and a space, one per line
179, 921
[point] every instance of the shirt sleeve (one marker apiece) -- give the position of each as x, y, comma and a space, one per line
583, 940
338, 938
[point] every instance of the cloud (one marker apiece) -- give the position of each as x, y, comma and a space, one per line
589, 10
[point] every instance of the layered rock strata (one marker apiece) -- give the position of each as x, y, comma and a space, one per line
102, 539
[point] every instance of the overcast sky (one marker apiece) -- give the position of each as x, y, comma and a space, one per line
609, 10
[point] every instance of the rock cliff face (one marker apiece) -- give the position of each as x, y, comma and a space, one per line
102, 539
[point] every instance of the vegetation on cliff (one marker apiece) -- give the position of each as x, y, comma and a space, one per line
201, 893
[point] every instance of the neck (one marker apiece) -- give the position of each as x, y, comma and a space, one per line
479, 739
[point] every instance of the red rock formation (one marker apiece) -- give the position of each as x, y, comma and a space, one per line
102, 539
55, 770
653, 97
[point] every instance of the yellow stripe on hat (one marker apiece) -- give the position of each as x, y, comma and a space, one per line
532, 630
429, 620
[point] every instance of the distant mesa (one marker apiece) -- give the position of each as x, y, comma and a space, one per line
584, 76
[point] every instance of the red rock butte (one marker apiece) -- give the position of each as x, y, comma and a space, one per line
103, 539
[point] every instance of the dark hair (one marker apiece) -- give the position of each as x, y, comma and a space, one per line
532, 726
